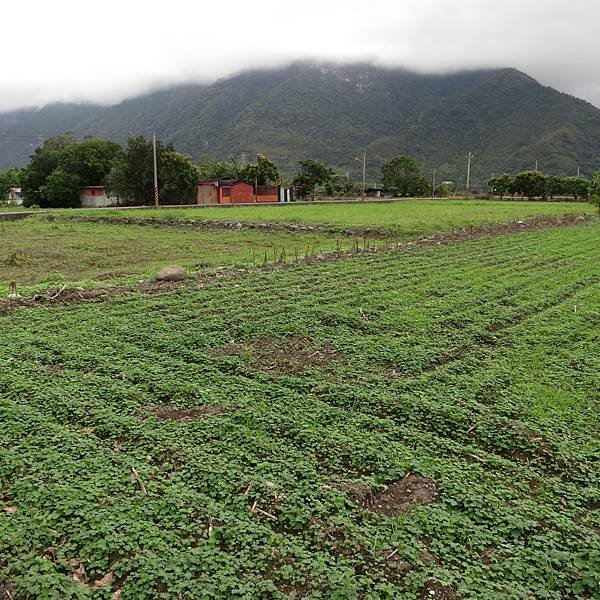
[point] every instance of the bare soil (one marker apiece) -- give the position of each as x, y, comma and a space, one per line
394, 499
436, 591
287, 356
164, 413
399, 498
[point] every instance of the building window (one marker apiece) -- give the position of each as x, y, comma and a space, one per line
226, 192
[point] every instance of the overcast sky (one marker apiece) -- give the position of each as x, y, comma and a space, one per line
107, 50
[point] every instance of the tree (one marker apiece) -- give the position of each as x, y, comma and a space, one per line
61, 189
577, 187
132, 178
555, 186
531, 184
501, 185
594, 190
11, 178
262, 172
340, 185
311, 174
218, 169
42, 163
177, 177
73, 165
403, 175
91, 160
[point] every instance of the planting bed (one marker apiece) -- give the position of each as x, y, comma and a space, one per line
420, 423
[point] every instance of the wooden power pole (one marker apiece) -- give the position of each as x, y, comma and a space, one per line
155, 170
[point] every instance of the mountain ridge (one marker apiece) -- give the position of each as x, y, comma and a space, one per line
330, 112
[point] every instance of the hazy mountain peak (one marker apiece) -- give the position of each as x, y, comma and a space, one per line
329, 112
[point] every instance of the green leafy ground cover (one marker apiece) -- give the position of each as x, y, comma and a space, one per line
236, 441
36, 251
404, 217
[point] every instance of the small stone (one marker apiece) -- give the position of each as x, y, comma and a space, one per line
171, 273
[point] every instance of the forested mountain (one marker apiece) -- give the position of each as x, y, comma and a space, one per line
330, 112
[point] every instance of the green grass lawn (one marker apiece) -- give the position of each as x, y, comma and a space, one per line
12, 208
36, 251
405, 217
236, 441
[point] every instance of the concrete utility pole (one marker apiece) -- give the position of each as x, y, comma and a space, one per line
470, 157
578, 171
155, 170
536, 166
363, 160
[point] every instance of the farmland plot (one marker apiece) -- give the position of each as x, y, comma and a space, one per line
408, 217
386, 426
38, 252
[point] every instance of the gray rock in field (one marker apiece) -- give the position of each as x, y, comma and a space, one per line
580, 219
171, 273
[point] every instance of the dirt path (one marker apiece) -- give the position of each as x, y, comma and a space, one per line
65, 295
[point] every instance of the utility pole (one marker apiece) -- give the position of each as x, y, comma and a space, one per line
363, 160
470, 157
536, 166
578, 171
433, 185
155, 170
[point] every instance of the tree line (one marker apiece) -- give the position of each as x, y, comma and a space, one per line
534, 184
62, 165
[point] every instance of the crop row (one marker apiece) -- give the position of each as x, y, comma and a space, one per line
236, 441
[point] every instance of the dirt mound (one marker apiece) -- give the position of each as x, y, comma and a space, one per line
164, 413
399, 498
289, 356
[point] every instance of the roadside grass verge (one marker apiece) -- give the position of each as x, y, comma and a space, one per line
385, 426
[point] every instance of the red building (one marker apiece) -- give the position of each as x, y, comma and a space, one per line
231, 191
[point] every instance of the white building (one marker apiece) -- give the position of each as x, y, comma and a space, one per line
14, 196
97, 196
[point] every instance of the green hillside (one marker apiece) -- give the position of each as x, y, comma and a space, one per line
330, 112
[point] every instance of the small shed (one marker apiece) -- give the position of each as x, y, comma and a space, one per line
97, 196
234, 191
15, 197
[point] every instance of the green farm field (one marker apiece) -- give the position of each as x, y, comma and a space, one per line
404, 217
35, 251
420, 423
